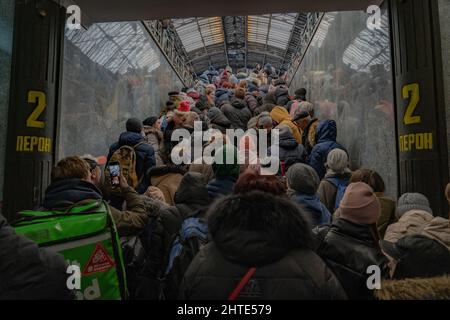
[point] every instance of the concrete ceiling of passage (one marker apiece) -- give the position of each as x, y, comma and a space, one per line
133, 10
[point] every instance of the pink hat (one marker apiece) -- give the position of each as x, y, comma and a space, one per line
359, 204
183, 107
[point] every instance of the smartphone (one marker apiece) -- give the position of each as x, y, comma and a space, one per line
114, 173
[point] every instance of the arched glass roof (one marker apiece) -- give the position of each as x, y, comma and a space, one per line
240, 41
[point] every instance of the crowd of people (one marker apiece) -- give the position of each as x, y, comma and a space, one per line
314, 230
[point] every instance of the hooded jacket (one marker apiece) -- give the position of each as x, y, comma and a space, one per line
326, 141
437, 288
314, 210
282, 95
218, 120
62, 194
222, 95
420, 222
191, 199
251, 101
348, 249
290, 151
281, 116
167, 179
145, 155
28, 272
238, 113
275, 241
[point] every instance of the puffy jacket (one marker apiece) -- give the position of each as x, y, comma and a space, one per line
167, 179
420, 222
282, 96
274, 242
28, 272
281, 116
314, 210
64, 193
218, 120
251, 101
220, 186
154, 137
222, 95
238, 113
326, 141
348, 249
290, 151
145, 155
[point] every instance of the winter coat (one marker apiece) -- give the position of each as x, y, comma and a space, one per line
274, 243
290, 151
28, 272
218, 120
251, 101
238, 113
282, 96
220, 186
437, 288
348, 249
327, 191
191, 198
62, 194
420, 222
314, 210
281, 116
204, 169
326, 141
145, 155
309, 135
154, 137
222, 95
167, 179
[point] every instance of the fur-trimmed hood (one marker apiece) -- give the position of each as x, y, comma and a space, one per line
257, 228
437, 288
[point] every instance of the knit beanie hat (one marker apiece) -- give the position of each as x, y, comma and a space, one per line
183, 108
134, 125
337, 160
303, 179
150, 121
412, 201
359, 204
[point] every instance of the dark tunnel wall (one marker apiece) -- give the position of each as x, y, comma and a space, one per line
347, 72
111, 72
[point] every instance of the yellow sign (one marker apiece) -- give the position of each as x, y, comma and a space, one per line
33, 144
416, 141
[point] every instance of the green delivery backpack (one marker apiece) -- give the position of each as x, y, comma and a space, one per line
85, 234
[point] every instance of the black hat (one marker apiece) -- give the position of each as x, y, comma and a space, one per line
418, 256
173, 93
150, 121
300, 115
134, 125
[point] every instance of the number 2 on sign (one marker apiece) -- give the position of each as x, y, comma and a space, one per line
412, 92
40, 98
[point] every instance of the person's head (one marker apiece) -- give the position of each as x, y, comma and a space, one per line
226, 162
73, 167
134, 125
181, 113
416, 256
252, 180
151, 122
300, 94
337, 161
302, 179
239, 93
371, 177
412, 202
170, 106
173, 95
308, 107
301, 119
265, 121
94, 167
360, 205
210, 93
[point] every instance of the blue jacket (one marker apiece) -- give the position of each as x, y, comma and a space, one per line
220, 186
315, 211
326, 141
145, 155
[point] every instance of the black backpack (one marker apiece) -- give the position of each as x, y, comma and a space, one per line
193, 235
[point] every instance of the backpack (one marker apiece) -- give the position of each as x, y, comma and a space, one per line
85, 234
193, 235
341, 186
126, 157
